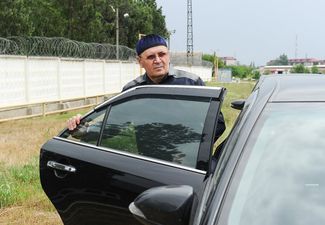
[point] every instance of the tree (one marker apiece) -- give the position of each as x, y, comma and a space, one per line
14, 19
45, 18
212, 59
299, 68
241, 71
256, 74
82, 20
314, 69
282, 60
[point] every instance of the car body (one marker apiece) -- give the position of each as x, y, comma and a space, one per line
145, 137
271, 169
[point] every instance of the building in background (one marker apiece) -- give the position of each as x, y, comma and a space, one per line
229, 60
284, 69
306, 62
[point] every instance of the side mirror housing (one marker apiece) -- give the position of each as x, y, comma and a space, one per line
164, 205
238, 104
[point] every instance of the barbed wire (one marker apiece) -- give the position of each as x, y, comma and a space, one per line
62, 47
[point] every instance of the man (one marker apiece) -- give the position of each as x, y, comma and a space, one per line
153, 56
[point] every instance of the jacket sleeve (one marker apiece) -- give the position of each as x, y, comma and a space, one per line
221, 126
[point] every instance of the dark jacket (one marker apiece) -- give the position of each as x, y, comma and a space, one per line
174, 77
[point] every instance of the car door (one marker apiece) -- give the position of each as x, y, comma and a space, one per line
145, 137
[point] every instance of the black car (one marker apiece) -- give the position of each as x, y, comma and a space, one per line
146, 137
270, 170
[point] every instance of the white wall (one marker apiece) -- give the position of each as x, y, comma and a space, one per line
204, 72
25, 80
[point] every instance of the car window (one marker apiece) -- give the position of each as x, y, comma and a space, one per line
280, 177
89, 129
166, 129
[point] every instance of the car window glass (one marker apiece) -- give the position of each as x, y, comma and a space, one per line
280, 176
167, 129
88, 130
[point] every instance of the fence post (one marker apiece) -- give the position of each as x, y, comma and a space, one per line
120, 73
44, 109
104, 76
59, 81
27, 77
84, 78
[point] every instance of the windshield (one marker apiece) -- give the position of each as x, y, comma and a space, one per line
280, 178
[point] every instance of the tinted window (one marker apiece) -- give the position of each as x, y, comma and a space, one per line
89, 129
167, 129
280, 178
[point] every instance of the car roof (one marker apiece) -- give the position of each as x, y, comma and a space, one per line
294, 87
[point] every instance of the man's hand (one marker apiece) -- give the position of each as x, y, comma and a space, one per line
73, 122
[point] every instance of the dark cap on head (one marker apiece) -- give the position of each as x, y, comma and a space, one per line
149, 41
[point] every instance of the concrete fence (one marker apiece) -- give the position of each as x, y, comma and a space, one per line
25, 80
29, 80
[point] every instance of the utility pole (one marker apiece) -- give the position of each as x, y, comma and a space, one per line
117, 35
189, 33
169, 33
215, 63
296, 47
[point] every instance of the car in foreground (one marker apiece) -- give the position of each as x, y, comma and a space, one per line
270, 171
146, 137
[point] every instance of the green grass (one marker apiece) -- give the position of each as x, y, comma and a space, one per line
235, 91
18, 183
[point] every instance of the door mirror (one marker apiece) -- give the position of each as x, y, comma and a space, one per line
238, 104
163, 205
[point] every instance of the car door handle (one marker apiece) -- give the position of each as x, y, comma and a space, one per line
60, 166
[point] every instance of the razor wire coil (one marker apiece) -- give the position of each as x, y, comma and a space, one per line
62, 47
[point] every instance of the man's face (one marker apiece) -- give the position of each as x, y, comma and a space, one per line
155, 61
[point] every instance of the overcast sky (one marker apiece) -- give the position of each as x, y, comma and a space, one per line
250, 30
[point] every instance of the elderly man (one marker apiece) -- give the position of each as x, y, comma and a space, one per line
153, 56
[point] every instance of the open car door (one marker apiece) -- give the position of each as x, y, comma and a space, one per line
145, 137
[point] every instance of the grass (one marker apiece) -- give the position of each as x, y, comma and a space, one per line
22, 200
235, 91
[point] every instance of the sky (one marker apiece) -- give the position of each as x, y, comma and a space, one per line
252, 31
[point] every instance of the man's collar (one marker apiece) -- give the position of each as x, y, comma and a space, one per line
171, 71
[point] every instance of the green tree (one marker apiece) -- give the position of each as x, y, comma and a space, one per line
82, 20
212, 59
145, 18
299, 68
256, 74
45, 18
282, 60
314, 69
14, 18
241, 71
